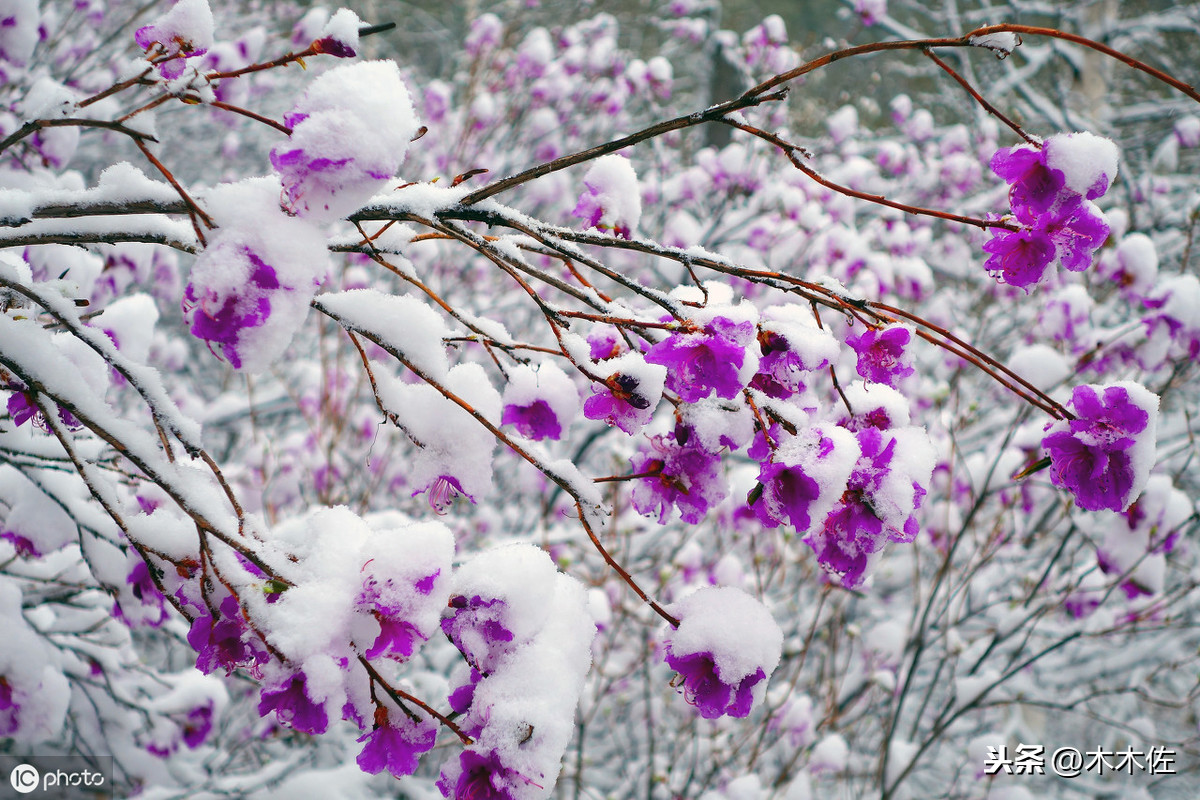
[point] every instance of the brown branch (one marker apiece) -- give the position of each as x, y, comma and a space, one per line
988, 107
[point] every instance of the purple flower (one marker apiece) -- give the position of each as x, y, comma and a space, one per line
143, 588
183, 32
476, 627
22, 407
397, 639
536, 420
686, 477
1018, 258
441, 492
24, 546
225, 642
198, 725
705, 361
1092, 456
291, 705
881, 354
219, 317
9, 708
1077, 230
462, 697
621, 401
851, 534
481, 777
787, 494
781, 369
396, 747
1034, 187
703, 687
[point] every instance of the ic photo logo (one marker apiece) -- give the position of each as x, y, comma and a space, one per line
24, 778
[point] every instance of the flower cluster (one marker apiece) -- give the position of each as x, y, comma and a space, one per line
1103, 455
712, 359
678, 472
1051, 189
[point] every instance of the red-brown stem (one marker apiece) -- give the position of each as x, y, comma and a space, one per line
1046, 402
988, 107
195, 211
790, 149
401, 696
654, 473
245, 112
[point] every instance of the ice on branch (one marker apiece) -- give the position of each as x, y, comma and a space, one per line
350, 133
249, 291
612, 200
725, 649
1104, 455
1001, 43
182, 33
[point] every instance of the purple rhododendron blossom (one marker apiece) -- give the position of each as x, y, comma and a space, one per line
1091, 455
781, 369
9, 709
852, 532
23, 408
198, 724
397, 639
481, 777
619, 402
226, 642
1077, 230
291, 705
183, 32
881, 354
24, 546
396, 747
1034, 187
686, 477
706, 361
536, 420
441, 492
703, 687
219, 317
1018, 258
476, 627
143, 588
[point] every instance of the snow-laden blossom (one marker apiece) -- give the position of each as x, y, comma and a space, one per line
22, 408
724, 650
144, 590
541, 404
882, 354
396, 744
705, 361
292, 705
1103, 456
1051, 189
225, 642
481, 776
350, 133
339, 37
249, 290
805, 476
629, 395
612, 199
183, 32
684, 476
879, 505
476, 626
220, 319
